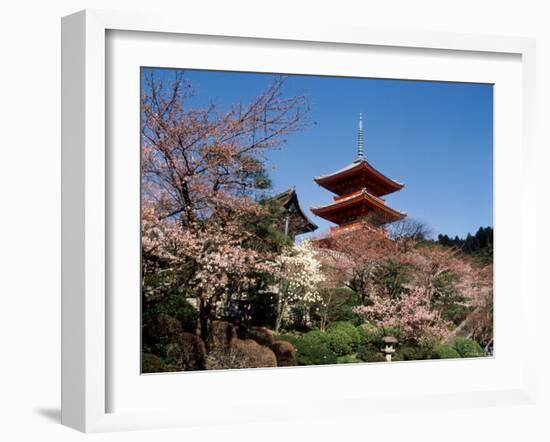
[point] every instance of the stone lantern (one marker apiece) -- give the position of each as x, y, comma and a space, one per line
388, 348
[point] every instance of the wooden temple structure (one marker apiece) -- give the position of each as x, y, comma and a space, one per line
358, 190
295, 221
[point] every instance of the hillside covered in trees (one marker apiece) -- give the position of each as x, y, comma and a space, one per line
480, 244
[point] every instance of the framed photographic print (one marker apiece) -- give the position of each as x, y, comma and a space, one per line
310, 217
237, 274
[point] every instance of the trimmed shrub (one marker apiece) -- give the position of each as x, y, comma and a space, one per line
157, 335
285, 353
370, 343
349, 329
261, 335
187, 315
220, 335
219, 358
396, 357
370, 334
468, 348
161, 333
189, 352
174, 304
410, 352
242, 353
153, 364
293, 339
370, 354
249, 354
314, 349
339, 341
348, 359
446, 352
166, 326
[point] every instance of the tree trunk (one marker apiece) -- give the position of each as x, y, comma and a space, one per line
324, 311
280, 309
323, 323
205, 313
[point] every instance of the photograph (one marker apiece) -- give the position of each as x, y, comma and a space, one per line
299, 220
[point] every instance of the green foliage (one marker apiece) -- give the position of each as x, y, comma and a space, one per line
370, 354
176, 305
414, 351
153, 364
340, 342
370, 343
396, 357
270, 227
411, 353
293, 339
392, 277
298, 318
342, 302
449, 300
253, 170
479, 245
348, 359
353, 334
258, 306
314, 349
163, 318
370, 334
445, 352
455, 312
468, 348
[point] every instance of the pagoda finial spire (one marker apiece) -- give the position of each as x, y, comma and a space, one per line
360, 140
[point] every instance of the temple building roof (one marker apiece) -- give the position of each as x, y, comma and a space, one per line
358, 175
296, 222
359, 204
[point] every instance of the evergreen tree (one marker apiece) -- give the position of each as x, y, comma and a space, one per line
480, 244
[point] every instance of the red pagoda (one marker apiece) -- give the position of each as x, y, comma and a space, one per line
359, 189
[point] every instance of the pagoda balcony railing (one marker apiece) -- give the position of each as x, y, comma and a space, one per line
348, 227
356, 193
352, 226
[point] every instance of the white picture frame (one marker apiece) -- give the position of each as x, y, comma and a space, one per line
86, 317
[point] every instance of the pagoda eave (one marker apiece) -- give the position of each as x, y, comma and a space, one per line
361, 203
364, 175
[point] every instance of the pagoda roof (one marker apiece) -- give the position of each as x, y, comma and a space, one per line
367, 176
289, 200
362, 197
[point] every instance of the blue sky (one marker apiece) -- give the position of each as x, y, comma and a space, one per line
435, 137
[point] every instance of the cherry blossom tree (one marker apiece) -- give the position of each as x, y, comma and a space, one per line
201, 171
196, 160
300, 277
412, 314
478, 324
210, 260
351, 258
406, 287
